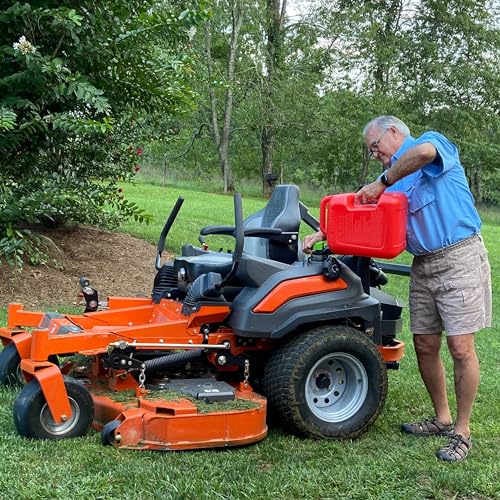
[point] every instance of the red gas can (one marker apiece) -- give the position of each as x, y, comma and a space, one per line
374, 230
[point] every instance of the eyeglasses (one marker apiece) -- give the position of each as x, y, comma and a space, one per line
373, 149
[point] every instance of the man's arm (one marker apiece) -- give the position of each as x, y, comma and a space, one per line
411, 161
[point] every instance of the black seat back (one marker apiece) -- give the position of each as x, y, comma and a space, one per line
282, 212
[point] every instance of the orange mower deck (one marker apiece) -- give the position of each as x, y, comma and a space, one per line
151, 423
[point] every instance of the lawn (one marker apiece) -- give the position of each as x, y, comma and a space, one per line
382, 463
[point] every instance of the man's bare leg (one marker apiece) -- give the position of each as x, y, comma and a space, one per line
432, 371
466, 370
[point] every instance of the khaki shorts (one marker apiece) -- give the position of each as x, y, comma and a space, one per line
450, 289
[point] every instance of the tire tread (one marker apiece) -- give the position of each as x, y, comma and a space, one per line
284, 367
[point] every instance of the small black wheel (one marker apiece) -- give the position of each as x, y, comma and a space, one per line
330, 382
10, 369
33, 419
10, 366
108, 437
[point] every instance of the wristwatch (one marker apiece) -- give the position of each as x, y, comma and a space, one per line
384, 180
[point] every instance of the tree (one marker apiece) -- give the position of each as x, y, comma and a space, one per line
74, 81
302, 88
431, 62
274, 31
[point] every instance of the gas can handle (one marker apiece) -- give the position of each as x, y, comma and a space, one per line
323, 222
351, 201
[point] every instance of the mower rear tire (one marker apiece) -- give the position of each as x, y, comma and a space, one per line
33, 419
10, 369
330, 382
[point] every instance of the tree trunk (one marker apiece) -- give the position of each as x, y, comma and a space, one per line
267, 142
222, 137
363, 172
389, 24
276, 11
214, 123
476, 185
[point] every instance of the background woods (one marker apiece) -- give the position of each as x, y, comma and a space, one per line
294, 82
202, 97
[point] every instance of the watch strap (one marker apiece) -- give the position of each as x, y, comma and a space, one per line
384, 180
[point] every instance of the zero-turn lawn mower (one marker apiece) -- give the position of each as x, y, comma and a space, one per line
177, 370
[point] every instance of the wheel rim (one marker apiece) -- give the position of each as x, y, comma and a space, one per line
51, 427
336, 387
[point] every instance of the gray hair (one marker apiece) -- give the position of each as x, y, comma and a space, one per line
385, 122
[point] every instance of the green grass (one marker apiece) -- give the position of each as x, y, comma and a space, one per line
310, 194
382, 463
490, 215
152, 173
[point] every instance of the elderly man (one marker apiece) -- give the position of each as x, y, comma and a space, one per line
450, 285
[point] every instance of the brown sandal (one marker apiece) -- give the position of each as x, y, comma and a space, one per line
428, 427
457, 449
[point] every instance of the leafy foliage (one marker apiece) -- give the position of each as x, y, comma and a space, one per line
84, 84
76, 79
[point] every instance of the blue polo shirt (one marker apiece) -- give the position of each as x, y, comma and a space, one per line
441, 208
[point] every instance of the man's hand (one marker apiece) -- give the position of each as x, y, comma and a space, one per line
311, 239
369, 193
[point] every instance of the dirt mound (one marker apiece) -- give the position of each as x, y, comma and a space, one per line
115, 264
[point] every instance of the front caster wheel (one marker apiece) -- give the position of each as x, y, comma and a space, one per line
108, 434
33, 419
330, 382
10, 367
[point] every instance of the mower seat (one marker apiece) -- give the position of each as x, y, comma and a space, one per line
282, 212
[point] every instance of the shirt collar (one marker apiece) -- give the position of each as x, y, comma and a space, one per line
407, 144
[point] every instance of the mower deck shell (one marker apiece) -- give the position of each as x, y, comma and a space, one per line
156, 424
